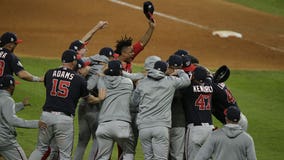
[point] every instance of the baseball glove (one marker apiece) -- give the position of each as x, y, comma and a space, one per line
148, 9
221, 75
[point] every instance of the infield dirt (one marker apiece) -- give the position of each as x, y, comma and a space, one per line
48, 27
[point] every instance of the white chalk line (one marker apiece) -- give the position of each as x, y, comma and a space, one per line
189, 23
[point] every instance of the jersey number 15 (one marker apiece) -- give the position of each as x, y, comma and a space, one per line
60, 89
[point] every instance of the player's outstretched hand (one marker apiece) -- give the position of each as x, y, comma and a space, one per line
102, 24
41, 79
42, 124
151, 24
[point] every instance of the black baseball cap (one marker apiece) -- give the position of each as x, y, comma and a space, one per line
175, 61
6, 81
106, 51
9, 37
186, 60
161, 66
200, 74
233, 113
181, 52
114, 68
68, 56
80, 64
77, 45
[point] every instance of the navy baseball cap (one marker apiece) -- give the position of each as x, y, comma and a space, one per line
106, 51
200, 74
175, 61
181, 52
233, 113
9, 37
161, 66
80, 64
77, 45
114, 68
186, 60
6, 81
68, 56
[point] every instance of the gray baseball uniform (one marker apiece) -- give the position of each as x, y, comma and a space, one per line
154, 95
229, 142
88, 113
9, 147
114, 117
148, 64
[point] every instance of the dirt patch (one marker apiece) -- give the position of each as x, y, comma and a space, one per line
48, 27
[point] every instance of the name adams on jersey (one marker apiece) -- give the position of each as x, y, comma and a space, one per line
63, 74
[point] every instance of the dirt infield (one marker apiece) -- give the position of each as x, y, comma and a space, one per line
48, 27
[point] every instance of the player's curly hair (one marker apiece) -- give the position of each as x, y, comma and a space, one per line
123, 42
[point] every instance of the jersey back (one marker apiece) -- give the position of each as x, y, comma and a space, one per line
222, 99
9, 63
197, 103
64, 87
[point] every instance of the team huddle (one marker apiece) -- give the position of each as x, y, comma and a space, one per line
168, 106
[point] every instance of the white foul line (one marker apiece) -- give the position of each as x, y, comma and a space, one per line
189, 23
162, 15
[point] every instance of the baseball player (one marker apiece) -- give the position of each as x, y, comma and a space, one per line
197, 104
88, 113
221, 100
125, 53
177, 132
9, 62
154, 95
64, 87
9, 147
114, 116
87, 120
230, 142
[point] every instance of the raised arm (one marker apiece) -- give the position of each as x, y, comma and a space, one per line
147, 36
89, 35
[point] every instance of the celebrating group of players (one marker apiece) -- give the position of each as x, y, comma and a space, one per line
169, 106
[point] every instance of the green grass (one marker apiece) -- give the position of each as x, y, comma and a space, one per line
271, 6
259, 94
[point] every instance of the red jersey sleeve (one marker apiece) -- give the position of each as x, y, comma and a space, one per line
137, 48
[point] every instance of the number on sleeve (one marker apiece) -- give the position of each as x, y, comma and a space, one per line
60, 89
230, 97
203, 102
2, 67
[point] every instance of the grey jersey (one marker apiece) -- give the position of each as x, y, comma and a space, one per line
133, 76
229, 142
154, 95
116, 104
9, 120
